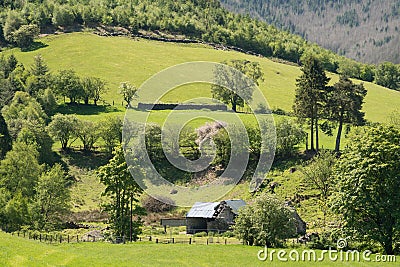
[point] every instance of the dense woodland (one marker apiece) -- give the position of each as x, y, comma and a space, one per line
205, 20
365, 30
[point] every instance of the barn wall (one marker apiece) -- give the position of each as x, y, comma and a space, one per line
195, 225
227, 215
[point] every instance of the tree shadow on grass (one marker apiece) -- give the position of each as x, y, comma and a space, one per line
81, 109
34, 46
84, 159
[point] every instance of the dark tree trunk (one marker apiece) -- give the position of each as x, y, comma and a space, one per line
307, 142
234, 107
316, 129
312, 134
316, 134
339, 134
86, 100
388, 246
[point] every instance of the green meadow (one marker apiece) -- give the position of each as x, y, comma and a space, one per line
17, 251
118, 59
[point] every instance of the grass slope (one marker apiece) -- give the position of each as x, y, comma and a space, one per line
16, 251
118, 59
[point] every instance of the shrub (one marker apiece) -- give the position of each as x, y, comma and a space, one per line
158, 204
201, 234
228, 234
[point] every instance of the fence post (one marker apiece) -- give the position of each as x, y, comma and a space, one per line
18, 233
77, 239
40, 237
51, 238
173, 240
190, 240
156, 240
68, 239
60, 239
207, 240
94, 239
225, 241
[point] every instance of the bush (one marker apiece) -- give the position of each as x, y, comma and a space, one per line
201, 234
23, 37
228, 234
267, 222
159, 204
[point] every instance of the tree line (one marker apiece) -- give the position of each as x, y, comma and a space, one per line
205, 20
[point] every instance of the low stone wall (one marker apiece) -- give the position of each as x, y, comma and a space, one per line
145, 106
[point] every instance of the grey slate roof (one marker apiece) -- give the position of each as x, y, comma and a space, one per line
207, 209
202, 210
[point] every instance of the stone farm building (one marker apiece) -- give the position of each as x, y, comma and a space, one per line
212, 216
220, 216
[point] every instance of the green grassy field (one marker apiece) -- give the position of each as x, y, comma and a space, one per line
15, 251
118, 59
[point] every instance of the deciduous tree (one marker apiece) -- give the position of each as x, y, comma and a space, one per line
123, 192
63, 128
88, 133
67, 84
266, 222
51, 201
128, 92
367, 195
319, 175
236, 84
93, 88
111, 132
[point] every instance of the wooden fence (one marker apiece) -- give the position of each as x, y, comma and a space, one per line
63, 238
56, 238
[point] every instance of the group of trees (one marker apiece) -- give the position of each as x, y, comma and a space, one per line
33, 195
316, 101
67, 128
289, 135
359, 189
29, 97
204, 20
44, 86
67, 83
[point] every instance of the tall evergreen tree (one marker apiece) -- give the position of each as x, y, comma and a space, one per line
310, 96
346, 101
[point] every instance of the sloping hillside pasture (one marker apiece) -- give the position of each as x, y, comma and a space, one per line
117, 59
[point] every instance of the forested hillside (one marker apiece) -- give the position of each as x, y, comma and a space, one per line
203, 21
364, 30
